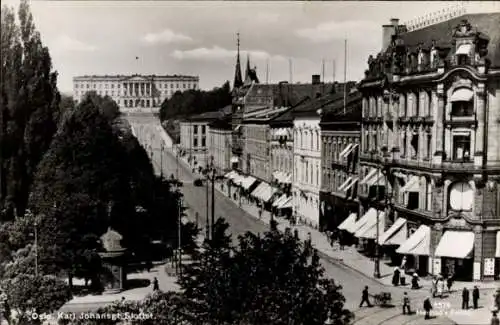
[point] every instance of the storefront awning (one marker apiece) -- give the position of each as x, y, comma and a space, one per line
370, 175
395, 235
464, 49
287, 204
370, 214
456, 244
346, 151
347, 182
280, 200
461, 95
418, 243
247, 182
264, 192
369, 230
348, 223
234, 160
232, 174
497, 253
412, 185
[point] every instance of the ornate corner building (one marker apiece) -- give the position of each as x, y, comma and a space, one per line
430, 143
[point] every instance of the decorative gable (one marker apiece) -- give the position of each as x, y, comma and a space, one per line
111, 241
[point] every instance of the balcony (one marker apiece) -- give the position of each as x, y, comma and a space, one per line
415, 213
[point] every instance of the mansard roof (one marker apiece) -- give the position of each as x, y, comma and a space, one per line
442, 33
334, 111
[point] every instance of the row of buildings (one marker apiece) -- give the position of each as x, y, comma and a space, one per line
407, 159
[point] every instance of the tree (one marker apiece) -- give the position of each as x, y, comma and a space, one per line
196, 102
29, 107
27, 292
264, 280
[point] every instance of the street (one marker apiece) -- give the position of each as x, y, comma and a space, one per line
240, 222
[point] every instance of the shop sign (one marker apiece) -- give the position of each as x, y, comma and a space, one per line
437, 266
489, 266
477, 271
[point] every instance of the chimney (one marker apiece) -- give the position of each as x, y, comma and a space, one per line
388, 31
316, 79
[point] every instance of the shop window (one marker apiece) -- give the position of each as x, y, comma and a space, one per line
413, 198
461, 196
461, 147
462, 109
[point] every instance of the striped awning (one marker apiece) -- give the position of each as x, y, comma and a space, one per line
287, 204
247, 182
264, 192
280, 200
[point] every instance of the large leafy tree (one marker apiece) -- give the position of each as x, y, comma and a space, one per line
29, 107
195, 102
269, 279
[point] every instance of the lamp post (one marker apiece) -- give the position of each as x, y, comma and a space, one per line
161, 160
213, 201
179, 242
36, 247
376, 272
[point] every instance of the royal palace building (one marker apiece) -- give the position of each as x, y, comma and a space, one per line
134, 93
430, 145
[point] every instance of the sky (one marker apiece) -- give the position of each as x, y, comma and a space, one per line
199, 37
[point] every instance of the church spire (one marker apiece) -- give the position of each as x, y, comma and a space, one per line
238, 82
247, 71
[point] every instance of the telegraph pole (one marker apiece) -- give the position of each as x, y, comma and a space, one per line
213, 201
376, 273
179, 233
207, 221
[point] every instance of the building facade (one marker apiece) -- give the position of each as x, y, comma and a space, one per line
340, 138
307, 164
429, 154
219, 144
134, 93
194, 133
281, 144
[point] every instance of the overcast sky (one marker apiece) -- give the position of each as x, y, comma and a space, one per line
198, 38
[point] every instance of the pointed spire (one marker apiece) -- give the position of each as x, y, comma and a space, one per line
238, 82
248, 67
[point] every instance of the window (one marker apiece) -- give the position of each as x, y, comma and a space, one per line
177, 86
184, 86
203, 129
112, 86
461, 147
118, 86
88, 86
414, 144
94, 86
462, 109
194, 86
428, 201
203, 142
195, 129
403, 147
171, 85
429, 145
461, 197
462, 59
195, 142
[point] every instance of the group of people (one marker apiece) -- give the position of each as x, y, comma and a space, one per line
335, 235
399, 278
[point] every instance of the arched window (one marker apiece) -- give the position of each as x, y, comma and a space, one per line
461, 103
461, 196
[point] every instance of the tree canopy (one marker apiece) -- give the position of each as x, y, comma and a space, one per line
195, 102
269, 279
29, 107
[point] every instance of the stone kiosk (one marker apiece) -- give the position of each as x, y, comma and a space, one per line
114, 262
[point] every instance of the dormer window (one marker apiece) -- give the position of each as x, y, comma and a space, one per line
463, 54
461, 103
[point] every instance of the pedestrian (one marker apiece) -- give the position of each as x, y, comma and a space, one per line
465, 298
406, 304
364, 297
449, 282
427, 308
494, 319
439, 288
475, 297
396, 276
260, 213
403, 263
341, 240
328, 234
156, 286
414, 281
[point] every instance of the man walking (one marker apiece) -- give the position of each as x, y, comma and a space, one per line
475, 297
465, 298
406, 304
156, 286
364, 297
427, 308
